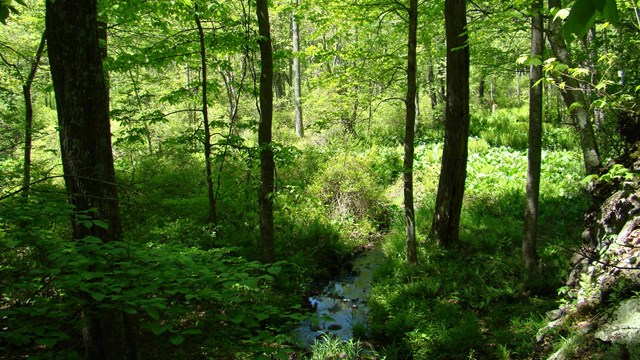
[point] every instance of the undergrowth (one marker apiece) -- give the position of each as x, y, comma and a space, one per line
471, 301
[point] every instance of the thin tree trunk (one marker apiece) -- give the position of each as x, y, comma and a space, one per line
431, 79
518, 87
267, 166
529, 252
446, 220
410, 102
28, 118
296, 74
213, 216
481, 87
147, 131
572, 94
82, 102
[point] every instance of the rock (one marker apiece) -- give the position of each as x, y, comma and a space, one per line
335, 327
623, 325
584, 327
554, 314
548, 329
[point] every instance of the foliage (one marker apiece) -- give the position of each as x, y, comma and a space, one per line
472, 301
347, 185
179, 293
585, 12
333, 348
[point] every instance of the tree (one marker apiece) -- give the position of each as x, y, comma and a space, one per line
529, 253
213, 218
27, 84
267, 166
28, 117
296, 73
446, 220
573, 96
85, 140
410, 101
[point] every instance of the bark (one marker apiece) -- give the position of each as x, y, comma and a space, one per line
267, 166
529, 252
446, 220
410, 101
296, 74
572, 94
85, 140
213, 217
481, 88
433, 93
28, 117
518, 87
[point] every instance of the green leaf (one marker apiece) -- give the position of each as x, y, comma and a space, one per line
177, 339
159, 329
101, 224
98, 296
584, 13
262, 316
535, 62
574, 106
562, 14
522, 59
153, 312
608, 9
274, 270
581, 17
560, 67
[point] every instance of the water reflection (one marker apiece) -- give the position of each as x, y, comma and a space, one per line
342, 305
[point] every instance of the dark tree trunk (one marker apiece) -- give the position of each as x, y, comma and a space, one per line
28, 118
85, 141
529, 252
481, 88
267, 166
446, 220
410, 101
572, 94
213, 216
296, 74
433, 93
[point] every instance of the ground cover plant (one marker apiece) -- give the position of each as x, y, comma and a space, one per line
181, 179
472, 301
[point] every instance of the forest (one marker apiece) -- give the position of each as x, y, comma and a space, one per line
191, 179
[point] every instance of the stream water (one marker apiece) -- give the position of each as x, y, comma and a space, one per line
342, 305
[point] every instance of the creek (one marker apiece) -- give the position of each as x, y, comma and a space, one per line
341, 307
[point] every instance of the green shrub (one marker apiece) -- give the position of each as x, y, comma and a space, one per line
348, 188
179, 294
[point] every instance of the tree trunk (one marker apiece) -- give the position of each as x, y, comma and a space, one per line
572, 94
213, 216
85, 141
518, 87
28, 118
446, 220
481, 87
433, 93
267, 166
529, 253
296, 74
410, 102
